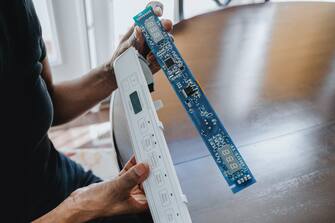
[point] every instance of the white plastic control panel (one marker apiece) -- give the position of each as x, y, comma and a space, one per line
165, 198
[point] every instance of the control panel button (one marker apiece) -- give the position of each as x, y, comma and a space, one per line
170, 215
164, 197
159, 177
142, 124
147, 143
154, 160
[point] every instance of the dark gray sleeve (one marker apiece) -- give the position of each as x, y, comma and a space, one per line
43, 49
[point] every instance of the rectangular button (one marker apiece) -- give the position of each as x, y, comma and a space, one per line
170, 215
159, 178
142, 124
154, 160
165, 197
147, 143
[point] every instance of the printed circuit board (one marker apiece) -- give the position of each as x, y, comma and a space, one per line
203, 116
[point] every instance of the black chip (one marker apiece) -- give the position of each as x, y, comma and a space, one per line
189, 90
169, 62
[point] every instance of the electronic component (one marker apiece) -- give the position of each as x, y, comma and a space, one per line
203, 116
189, 90
227, 155
166, 201
153, 30
169, 62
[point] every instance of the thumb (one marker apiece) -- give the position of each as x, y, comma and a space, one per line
134, 176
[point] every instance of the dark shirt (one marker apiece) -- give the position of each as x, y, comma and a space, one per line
50, 176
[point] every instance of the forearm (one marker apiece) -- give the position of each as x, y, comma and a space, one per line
73, 98
67, 212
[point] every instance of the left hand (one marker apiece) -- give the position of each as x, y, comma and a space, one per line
134, 37
122, 195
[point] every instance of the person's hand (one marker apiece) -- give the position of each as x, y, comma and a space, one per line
134, 37
122, 195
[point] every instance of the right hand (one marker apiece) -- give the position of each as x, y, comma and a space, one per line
135, 38
122, 195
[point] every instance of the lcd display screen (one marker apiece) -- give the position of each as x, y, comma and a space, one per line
135, 102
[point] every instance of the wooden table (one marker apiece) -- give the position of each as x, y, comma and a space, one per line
269, 71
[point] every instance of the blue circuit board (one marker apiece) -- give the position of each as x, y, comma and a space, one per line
203, 116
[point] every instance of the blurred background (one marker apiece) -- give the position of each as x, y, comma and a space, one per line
81, 34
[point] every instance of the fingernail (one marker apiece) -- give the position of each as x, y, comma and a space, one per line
158, 11
140, 169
